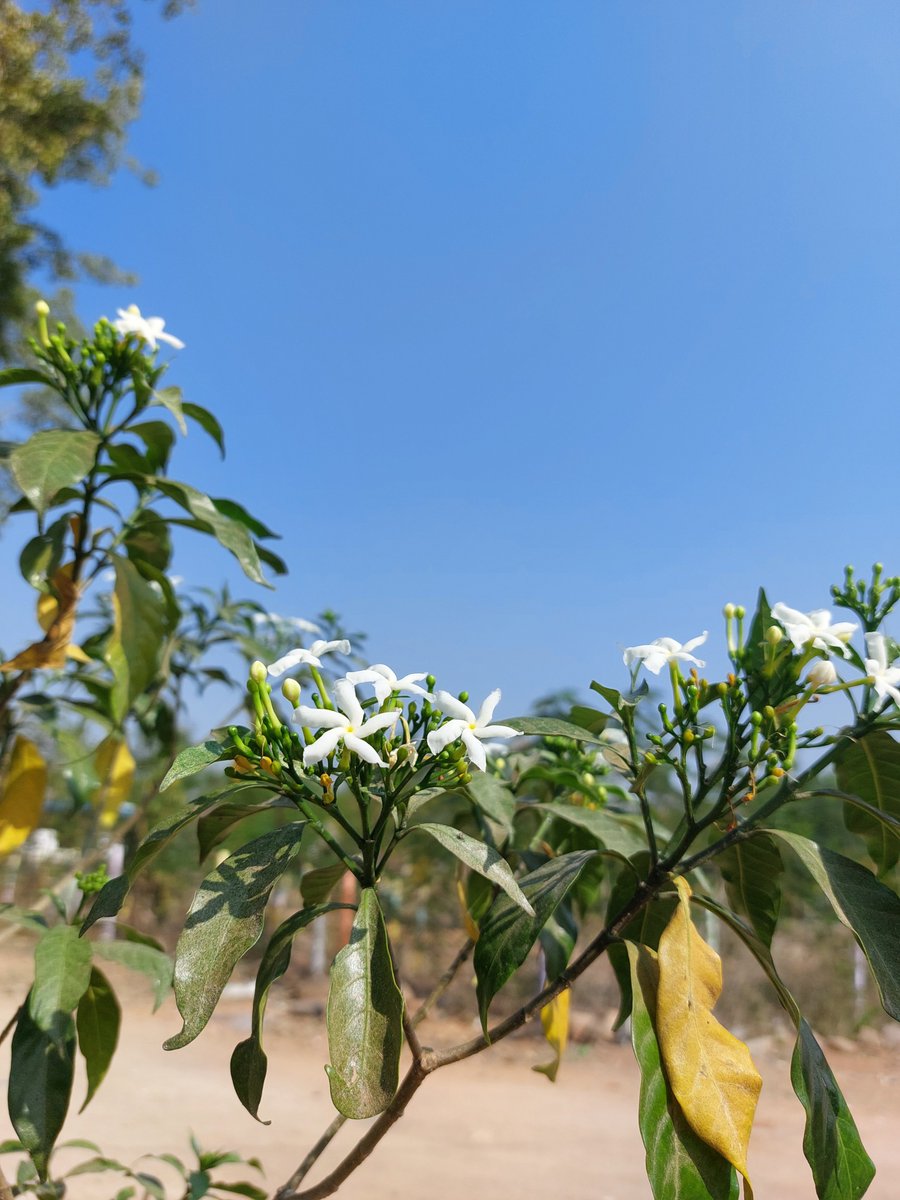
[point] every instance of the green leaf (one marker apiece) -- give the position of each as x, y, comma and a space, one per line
237, 512
558, 938
224, 921
112, 895
155, 964
214, 827
591, 719
148, 540
242, 1189
52, 460
364, 1018
865, 906
619, 834
207, 422
507, 933
841, 1168
170, 398
11, 376
480, 857
317, 885
43, 555
97, 1022
645, 929
550, 727
248, 1062
42, 1068
94, 1166
194, 759
140, 625
680, 1166
231, 534
752, 871
870, 769
494, 799
62, 974
33, 922
159, 439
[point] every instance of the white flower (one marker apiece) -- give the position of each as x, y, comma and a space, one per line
822, 674
884, 678
665, 650
310, 657
148, 328
386, 681
815, 628
464, 724
348, 725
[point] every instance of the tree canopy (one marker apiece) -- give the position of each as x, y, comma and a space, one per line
72, 81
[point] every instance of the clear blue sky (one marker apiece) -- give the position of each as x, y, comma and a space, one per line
538, 329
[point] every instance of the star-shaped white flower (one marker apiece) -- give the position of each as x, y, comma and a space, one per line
465, 725
309, 658
884, 678
347, 725
148, 328
386, 681
665, 650
815, 628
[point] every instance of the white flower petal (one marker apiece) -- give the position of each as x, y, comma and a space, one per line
379, 721
496, 731
438, 739
876, 645
322, 747
292, 659
453, 707
475, 749
363, 749
348, 702
487, 709
319, 718
342, 646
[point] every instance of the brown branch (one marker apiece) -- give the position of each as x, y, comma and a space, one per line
5, 1189
443, 983
311, 1159
7, 1030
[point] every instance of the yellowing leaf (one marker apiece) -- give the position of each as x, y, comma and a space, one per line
56, 616
23, 794
710, 1071
114, 765
470, 926
555, 1020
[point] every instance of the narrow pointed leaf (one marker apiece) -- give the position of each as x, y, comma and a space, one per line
619, 834
52, 460
492, 798
550, 727
364, 1018
155, 964
865, 906
62, 974
194, 759
112, 895
224, 921
97, 1023
248, 1061
231, 534
207, 422
214, 827
870, 768
646, 929
170, 398
478, 857
752, 871
23, 794
42, 1068
840, 1166
680, 1165
318, 884
555, 1024
709, 1070
507, 933
140, 623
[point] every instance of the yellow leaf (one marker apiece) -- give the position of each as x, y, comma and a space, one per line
23, 794
114, 765
471, 928
555, 1020
56, 616
709, 1069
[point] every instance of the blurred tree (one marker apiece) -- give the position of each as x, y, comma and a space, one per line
71, 82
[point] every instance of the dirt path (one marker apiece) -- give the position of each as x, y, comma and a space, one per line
483, 1129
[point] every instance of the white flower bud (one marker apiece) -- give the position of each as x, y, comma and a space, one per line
822, 674
290, 689
258, 672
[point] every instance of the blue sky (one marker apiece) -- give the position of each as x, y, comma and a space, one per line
538, 330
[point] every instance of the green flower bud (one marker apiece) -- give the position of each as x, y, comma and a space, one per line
728, 612
430, 681
463, 697
740, 612
290, 689
774, 635
258, 672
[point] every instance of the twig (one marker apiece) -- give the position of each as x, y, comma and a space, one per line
5, 1189
442, 984
311, 1159
7, 1029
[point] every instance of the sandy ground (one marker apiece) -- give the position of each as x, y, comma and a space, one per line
486, 1128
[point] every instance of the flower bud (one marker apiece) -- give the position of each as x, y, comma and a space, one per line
822, 674
290, 689
774, 635
728, 612
258, 672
